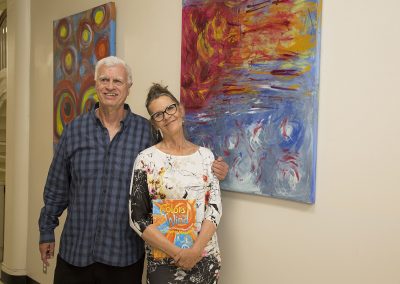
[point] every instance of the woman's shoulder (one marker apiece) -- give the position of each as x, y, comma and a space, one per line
148, 152
145, 158
206, 152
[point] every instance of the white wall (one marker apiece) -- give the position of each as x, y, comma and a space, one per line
351, 234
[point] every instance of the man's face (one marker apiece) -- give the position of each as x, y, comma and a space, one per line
112, 86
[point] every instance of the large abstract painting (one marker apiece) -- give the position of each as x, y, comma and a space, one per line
79, 42
249, 83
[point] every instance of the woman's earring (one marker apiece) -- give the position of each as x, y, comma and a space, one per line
159, 135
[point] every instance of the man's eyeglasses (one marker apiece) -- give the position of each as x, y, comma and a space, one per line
106, 81
159, 116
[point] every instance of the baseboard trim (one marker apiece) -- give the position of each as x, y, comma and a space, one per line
16, 279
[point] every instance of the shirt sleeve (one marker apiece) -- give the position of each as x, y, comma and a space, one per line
140, 210
55, 195
213, 210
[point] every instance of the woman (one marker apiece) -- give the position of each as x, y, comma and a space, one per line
176, 169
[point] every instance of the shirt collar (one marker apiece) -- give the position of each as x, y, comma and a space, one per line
124, 122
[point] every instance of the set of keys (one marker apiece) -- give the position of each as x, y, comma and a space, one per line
48, 256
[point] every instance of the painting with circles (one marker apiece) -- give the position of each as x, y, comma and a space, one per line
79, 41
249, 84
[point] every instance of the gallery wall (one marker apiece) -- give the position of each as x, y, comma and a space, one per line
351, 233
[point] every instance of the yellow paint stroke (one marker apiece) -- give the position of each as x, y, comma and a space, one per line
196, 73
193, 24
308, 94
202, 94
90, 93
302, 43
231, 4
59, 120
63, 31
99, 17
68, 60
294, 87
203, 47
218, 29
85, 35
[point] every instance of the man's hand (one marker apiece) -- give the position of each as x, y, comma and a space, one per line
220, 168
46, 252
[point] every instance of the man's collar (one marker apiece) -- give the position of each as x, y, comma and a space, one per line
123, 121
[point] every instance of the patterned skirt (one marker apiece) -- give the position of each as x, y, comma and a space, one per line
206, 271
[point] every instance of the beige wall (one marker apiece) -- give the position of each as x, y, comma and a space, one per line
351, 234
17, 148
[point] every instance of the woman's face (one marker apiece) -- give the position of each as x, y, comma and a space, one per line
166, 115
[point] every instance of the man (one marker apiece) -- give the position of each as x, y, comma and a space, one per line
90, 175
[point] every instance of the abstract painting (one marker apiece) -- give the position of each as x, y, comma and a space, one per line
249, 84
79, 41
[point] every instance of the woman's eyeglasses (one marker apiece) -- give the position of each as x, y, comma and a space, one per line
159, 116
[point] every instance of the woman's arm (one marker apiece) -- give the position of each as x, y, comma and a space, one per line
140, 208
155, 238
139, 202
188, 258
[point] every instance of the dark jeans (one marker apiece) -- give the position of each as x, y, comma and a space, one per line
97, 273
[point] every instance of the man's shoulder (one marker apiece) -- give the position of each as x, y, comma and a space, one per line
136, 118
78, 122
82, 118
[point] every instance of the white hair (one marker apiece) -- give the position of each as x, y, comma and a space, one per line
112, 61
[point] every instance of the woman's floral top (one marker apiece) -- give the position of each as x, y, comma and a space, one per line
157, 175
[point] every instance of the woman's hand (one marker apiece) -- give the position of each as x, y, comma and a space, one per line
220, 168
188, 258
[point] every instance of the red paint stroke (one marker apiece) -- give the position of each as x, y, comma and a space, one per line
285, 72
268, 26
291, 161
64, 86
206, 34
257, 129
283, 128
102, 48
260, 162
220, 37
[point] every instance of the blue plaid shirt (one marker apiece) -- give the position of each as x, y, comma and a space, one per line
90, 176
